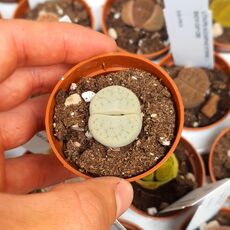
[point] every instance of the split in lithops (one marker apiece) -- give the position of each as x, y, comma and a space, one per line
205, 94
138, 26
110, 126
173, 180
161, 176
56, 10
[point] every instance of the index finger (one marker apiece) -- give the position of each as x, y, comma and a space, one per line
27, 43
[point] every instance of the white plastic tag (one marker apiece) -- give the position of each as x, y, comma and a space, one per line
38, 144
65, 18
189, 26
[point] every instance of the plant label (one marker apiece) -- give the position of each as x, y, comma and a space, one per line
209, 198
38, 144
189, 26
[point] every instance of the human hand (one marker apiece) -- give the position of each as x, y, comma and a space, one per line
33, 56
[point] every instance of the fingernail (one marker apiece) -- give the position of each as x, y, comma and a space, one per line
124, 196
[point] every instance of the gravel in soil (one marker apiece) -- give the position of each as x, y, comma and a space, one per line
73, 9
221, 158
152, 201
133, 39
219, 88
92, 158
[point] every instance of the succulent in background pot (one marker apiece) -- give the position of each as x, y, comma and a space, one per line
77, 11
219, 158
138, 26
97, 99
180, 174
205, 92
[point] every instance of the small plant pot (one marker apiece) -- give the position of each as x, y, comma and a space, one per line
222, 47
129, 226
220, 64
219, 145
23, 8
223, 211
102, 65
195, 167
105, 29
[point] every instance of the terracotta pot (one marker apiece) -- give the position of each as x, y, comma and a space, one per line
102, 65
104, 15
220, 64
210, 164
23, 7
129, 225
186, 222
222, 47
199, 173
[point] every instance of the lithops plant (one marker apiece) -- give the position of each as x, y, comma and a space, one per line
143, 14
161, 176
115, 116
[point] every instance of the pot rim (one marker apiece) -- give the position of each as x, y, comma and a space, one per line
179, 108
169, 57
152, 55
200, 176
24, 4
129, 224
210, 163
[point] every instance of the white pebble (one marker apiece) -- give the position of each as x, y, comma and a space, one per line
152, 211
54, 125
73, 99
59, 10
228, 153
153, 115
62, 78
117, 15
77, 144
133, 77
112, 33
72, 114
140, 43
88, 96
195, 124
152, 154
73, 86
217, 30
191, 177
77, 128
89, 135
166, 143
131, 41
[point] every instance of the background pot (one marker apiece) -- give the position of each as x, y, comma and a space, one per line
23, 7
102, 65
210, 164
222, 47
198, 171
220, 64
105, 12
129, 225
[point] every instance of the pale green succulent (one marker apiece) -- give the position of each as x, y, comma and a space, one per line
161, 176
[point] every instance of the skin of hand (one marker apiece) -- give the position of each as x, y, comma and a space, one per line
33, 57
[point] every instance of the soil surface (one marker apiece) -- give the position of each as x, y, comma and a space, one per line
91, 157
225, 37
160, 198
219, 85
221, 158
133, 39
74, 9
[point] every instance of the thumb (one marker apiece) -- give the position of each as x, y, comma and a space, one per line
92, 204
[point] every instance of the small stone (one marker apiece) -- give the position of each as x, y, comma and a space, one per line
152, 211
72, 114
134, 78
77, 144
164, 141
112, 33
152, 154
88, 96
59, 10
131, 41
73, 86
73, 99
211, 107
228, 153
117, 15
62, 78
153, 115
116, 149
54, 125
191, 177
140, 43
77, 128
217, 30
195, 124
88, 135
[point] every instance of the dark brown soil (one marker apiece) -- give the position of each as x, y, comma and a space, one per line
225, 37
220, 86
205, 158
74, 9
221, 158
165, 195
132, 39
91, 157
